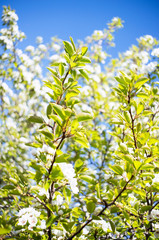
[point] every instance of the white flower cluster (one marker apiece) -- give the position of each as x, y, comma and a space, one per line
147, 39
155, 52
105, 225
9, 16
29, 215
69, 174
132, 199
58, 200
43, 192
153, 215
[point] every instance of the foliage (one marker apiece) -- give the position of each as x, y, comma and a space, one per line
80, 145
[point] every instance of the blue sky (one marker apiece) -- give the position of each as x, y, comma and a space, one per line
64, 18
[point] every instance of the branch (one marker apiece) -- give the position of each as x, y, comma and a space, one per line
132, 121
154, 206
101, 212
38, 199
63, 137
124, 188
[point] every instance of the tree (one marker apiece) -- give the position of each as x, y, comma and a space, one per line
80, 146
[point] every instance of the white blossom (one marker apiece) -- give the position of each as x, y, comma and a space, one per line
105, 225
39, 39
29, 49
10, 123
42, 225
69, 174
42, 47
56, 47
23, 220
28, 215
155, 52
43, 192
58, 200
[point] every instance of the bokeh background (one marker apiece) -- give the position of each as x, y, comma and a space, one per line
79, 19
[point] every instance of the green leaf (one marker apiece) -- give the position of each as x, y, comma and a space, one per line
112, 226
82, 140
117, 169
140, 108
138, 127
78, 164
98, 190
36, 119
84, 60
127, 117
90, 206
68, 48
128, 158
59, 110
84, 50
9, 187
137, 165
73, 43
140, 82
67, 194
145, 208
51, 70
68, 112
49, 110
56, 173
61, 69
84, 74
121, 81
48, 134
62, 158
87, 178
34, 145
123, 147
5, 230
49, 221
56, 119
84, 117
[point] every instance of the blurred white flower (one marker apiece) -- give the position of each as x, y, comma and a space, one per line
69, 174
43, 192
105, 225
42, 225
56, 47
39, 40
28, 215
29, 49
42, 47
155, 52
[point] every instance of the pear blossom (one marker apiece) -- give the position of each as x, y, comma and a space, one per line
69, 173
43, 192
29, 49
29, 215
105, 225
39, 39
155, 52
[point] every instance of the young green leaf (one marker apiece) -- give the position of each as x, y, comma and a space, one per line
84, 117
68, 48
61, 69
36, 119
59, 110
84, 74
